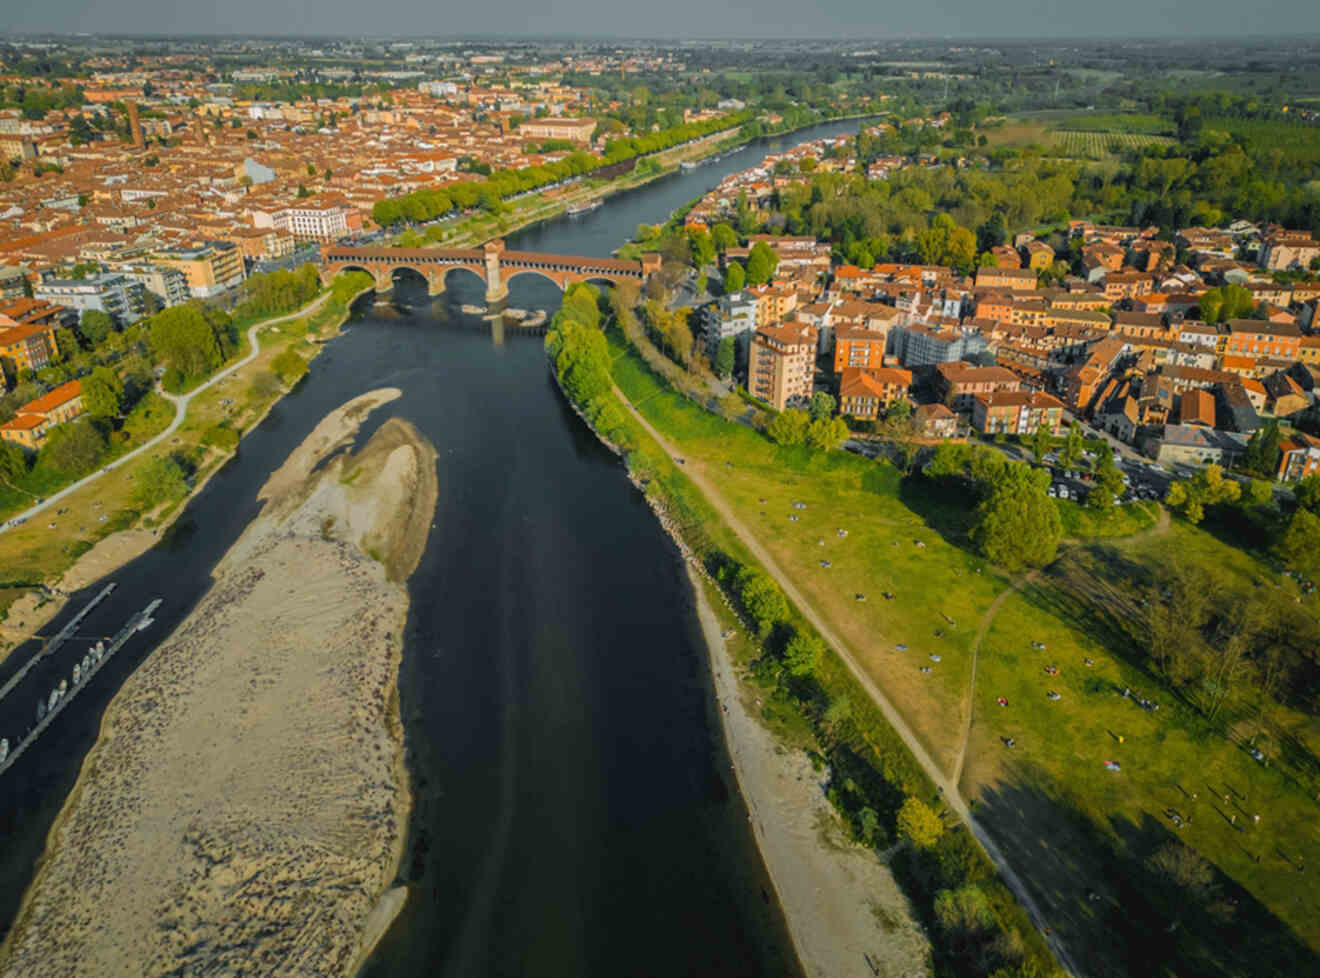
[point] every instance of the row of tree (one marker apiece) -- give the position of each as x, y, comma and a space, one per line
427, 204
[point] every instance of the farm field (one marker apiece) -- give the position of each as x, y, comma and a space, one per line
1099, 145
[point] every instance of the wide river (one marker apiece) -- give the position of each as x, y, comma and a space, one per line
574, 811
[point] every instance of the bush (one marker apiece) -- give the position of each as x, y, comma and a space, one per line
290, 367
172, 380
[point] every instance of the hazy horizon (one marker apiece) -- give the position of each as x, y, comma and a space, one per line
956, 20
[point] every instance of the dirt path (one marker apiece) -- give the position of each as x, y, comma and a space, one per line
986, 620
948, 788
180, 402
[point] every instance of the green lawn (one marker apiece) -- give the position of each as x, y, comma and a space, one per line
1071, 825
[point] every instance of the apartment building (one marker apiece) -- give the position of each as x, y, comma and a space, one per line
110, 292
865, 394
26, 346
781, 363
732, 315
1016, 412
211, 268
34, 420
859, 348
958, 383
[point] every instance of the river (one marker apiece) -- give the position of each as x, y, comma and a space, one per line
574, 811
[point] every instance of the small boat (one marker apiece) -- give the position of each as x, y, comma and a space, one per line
687, 166
577, 210
537, 318
145, 624
472, 310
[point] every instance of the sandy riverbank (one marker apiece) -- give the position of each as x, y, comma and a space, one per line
245, 807
845, 911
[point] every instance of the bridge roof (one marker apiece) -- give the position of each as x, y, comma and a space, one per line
477, 256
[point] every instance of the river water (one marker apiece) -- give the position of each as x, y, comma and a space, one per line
574, 813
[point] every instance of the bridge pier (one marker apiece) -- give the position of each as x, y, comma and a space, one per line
435, 285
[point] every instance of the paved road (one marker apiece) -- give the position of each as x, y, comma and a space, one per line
948, 788
181, 402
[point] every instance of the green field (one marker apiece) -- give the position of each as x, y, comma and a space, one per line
1083, 835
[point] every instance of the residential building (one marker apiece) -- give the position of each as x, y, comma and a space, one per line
26, 346
781, 364
37, 312
318, 221
1299, 457
730, 315
110, 292
1178, 444
12, 282
1288, 249
919, 345
1016, 412
1015, 279
865, 394
573, 130
211, 269
1261, 338
859, 348
958, 383
167, 284
34, 420
936, 421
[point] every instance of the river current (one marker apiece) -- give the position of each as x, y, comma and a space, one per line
574, 813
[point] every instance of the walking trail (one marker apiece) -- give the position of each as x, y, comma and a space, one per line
181, 402
948, 788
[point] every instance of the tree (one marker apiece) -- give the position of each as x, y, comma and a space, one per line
1262, 456
1072, 445
1307, 492
103, 393
94, 326
761, 263
724, 358
734, 278
964, 912
821, 406
159, 480
1018, 525
827, 434
1041, 442
74, 448
1299, 546
1207, 488
13, 462
1108, 483
919, 824
761, 599
303, 191
802, 654
789, 427
724, 237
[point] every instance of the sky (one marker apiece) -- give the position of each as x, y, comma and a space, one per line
669, 18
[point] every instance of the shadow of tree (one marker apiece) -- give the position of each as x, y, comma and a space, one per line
943, 506
1118, 913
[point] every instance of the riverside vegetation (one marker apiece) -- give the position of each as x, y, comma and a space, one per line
1100, 849
811, 699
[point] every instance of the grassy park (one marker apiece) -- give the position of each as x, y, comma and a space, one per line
1090, 840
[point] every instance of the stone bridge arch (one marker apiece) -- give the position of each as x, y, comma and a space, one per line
492, 262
